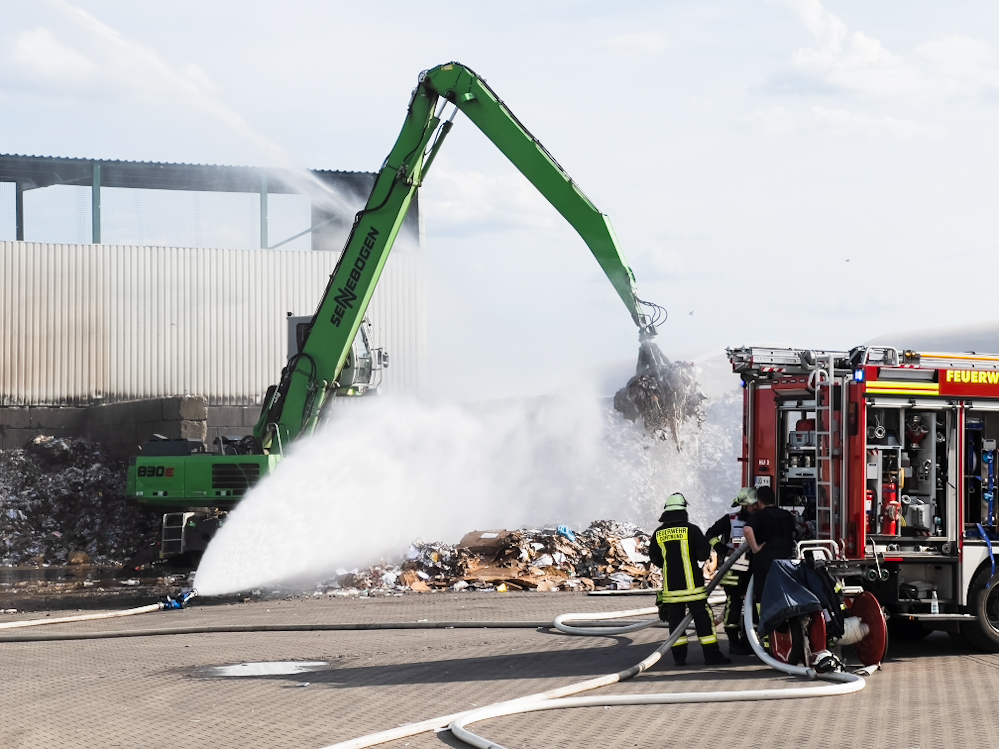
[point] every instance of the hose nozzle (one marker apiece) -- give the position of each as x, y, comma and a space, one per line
180, 601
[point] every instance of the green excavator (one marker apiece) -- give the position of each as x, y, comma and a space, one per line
195, 486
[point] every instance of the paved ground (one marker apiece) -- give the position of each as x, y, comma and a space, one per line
162, 691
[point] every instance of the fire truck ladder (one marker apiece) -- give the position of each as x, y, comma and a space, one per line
822, 382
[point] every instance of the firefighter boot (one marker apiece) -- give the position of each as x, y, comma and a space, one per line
713, 655
680, 654
737, 644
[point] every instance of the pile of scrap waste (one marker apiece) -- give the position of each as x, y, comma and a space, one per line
664, 394
608, 555
62, 501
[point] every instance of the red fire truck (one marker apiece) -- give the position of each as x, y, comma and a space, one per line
889, 457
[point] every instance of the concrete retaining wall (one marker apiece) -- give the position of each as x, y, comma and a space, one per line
20, 425
122, 427
231, 421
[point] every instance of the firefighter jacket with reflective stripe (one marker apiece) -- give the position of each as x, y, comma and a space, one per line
725, 536
677, 546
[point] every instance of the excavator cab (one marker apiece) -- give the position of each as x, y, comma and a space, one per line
360, 373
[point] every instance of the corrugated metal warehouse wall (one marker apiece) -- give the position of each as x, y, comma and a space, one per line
84, 324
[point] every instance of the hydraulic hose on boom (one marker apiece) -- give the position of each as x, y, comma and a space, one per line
293, 407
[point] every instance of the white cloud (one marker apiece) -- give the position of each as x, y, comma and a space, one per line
197, 75
641, 41
856, 64
830, 121
86, 58
827, 29
658, 264
967, 66
843, 122
466, 199
776, 120
40, 56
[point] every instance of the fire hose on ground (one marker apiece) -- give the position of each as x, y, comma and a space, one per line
559, 698
554, 699
169, 603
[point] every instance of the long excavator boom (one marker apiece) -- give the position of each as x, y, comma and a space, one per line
479, 103
184, 478
294, 405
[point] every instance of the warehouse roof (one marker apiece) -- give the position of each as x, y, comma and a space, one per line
31, 172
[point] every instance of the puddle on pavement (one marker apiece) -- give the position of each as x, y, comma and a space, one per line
267, 668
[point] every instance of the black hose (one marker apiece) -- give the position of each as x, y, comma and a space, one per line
210, 629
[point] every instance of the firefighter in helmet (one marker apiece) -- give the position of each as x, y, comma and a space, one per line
677, 546
725, 536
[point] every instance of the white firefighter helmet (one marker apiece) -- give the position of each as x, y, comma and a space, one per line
675, 502
746, 496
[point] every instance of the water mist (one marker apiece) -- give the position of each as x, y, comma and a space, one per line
386, 471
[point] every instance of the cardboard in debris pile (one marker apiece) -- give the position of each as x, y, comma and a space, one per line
486, 545
606, 555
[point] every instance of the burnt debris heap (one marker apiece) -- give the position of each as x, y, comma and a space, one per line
63, 501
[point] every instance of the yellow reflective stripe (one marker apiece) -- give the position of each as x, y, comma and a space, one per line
661, 540
678, 534
730, 580
966, 357
682, 596
690, 594
926, 387
682, 641
709, 640
688, 573
900, 391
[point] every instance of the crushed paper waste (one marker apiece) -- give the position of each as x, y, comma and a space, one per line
608, 555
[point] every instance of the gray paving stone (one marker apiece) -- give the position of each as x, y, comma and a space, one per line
140, 692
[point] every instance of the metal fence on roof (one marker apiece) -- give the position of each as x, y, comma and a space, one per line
84, 324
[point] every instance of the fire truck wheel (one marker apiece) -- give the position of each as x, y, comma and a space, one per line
984, 604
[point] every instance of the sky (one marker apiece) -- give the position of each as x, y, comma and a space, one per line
797, 172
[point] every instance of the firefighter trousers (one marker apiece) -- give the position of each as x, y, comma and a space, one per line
704, 623
734, 595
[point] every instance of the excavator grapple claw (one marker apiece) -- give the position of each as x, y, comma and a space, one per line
663, 393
